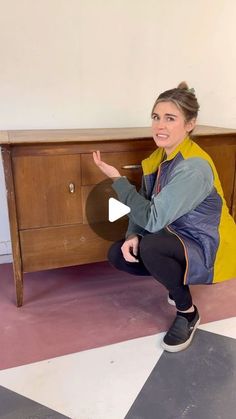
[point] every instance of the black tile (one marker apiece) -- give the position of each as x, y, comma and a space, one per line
15, 406
197, 383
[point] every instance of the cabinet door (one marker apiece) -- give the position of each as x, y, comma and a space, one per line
234, 192
224, 160
48, 191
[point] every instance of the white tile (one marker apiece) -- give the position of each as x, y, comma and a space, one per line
101, 383
226, 327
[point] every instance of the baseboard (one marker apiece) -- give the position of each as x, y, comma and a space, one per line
5, 259
5, 252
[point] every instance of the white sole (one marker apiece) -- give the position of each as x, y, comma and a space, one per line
182, 346
171, 302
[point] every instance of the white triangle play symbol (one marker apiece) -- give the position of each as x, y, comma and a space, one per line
116, 209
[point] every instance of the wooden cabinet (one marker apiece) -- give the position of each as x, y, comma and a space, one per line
50, 174
47, 190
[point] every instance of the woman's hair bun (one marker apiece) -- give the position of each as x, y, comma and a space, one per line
182, 85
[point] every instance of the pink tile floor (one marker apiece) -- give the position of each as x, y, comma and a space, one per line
77, 308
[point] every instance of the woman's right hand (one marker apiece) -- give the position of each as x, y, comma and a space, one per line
130, 248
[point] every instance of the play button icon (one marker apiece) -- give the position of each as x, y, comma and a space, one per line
116, 209
105, 215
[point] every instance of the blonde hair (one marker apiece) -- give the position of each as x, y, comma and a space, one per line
183, 97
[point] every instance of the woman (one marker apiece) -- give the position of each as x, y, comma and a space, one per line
180, 230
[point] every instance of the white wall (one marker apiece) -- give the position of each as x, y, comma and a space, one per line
101, 63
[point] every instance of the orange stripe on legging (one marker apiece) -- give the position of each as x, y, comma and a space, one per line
185, 253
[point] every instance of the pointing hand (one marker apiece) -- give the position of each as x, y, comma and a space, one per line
107, 169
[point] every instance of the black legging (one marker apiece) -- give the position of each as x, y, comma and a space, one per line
160, 255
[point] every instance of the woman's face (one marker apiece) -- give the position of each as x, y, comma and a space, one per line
169, 127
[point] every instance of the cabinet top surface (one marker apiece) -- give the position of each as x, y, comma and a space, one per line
95, 134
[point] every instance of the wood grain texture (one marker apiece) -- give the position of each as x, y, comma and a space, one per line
91, 174
224, 160
233, 209
55, 247
52, 149
93, 135
12, 211
42, 187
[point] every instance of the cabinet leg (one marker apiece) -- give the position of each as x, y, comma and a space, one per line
18, 277
10, 188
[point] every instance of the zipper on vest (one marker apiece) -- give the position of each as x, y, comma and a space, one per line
185, 253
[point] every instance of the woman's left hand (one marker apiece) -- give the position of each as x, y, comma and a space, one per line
109, 170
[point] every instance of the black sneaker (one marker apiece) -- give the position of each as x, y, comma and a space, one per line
180, 334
